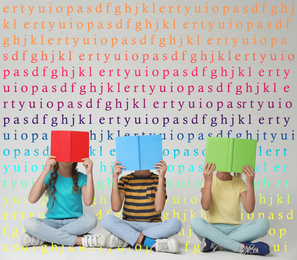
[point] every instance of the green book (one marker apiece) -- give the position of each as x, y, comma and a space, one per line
230, 154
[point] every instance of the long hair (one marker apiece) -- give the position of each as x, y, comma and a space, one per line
51, 187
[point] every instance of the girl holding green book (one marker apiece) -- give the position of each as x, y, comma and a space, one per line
221, 197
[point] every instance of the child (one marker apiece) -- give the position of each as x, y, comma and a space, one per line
64, 223
144, 196
221, 195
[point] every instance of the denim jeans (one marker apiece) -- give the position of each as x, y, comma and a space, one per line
129, 231
60, 231
230, 236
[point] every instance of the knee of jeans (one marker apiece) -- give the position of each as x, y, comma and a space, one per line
31, 225
264, 225
175, 224
91, 220
197, 224
107, 221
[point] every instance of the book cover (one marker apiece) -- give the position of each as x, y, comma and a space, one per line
139, 152
244, 153
230, 154
127, 152
69, 146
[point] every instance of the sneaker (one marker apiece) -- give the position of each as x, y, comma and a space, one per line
28, 240
96, 240
113, 241
169, 245
259, 248
207, 245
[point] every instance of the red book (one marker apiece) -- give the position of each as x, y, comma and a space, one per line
69, 146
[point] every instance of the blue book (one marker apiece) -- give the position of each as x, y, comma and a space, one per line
139, 152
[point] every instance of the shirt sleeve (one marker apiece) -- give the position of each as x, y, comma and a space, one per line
243, 186
202, 186
46, 180
165, 188
121, 185
82, 179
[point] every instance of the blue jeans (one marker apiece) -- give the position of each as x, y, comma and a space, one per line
230, 236
129, 231
60, 231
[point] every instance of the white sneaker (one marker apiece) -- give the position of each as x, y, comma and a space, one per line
169, 245
96, 240
113, 241
28, 240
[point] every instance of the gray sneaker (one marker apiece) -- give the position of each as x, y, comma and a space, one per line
113, 241
28, 240
169, 245
96, 240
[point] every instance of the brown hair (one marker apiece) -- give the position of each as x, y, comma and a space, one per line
51, 187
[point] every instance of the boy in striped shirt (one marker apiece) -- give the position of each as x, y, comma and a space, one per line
144, 196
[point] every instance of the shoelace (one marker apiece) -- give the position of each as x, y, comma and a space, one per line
213, 246
217, 247
251, 249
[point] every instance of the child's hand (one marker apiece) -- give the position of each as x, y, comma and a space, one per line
50, 163
88, 164
117, 170
208, 171
161, 168
249, 173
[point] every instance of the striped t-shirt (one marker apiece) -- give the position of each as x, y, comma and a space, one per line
140, 194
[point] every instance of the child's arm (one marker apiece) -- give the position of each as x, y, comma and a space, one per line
206, 191
117, 197
39, 186
160, 194
88, 189
248, 197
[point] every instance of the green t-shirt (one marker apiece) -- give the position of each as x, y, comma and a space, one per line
67, 203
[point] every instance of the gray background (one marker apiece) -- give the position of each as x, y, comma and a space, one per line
289, 239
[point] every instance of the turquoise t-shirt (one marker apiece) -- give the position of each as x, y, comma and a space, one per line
67, 203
